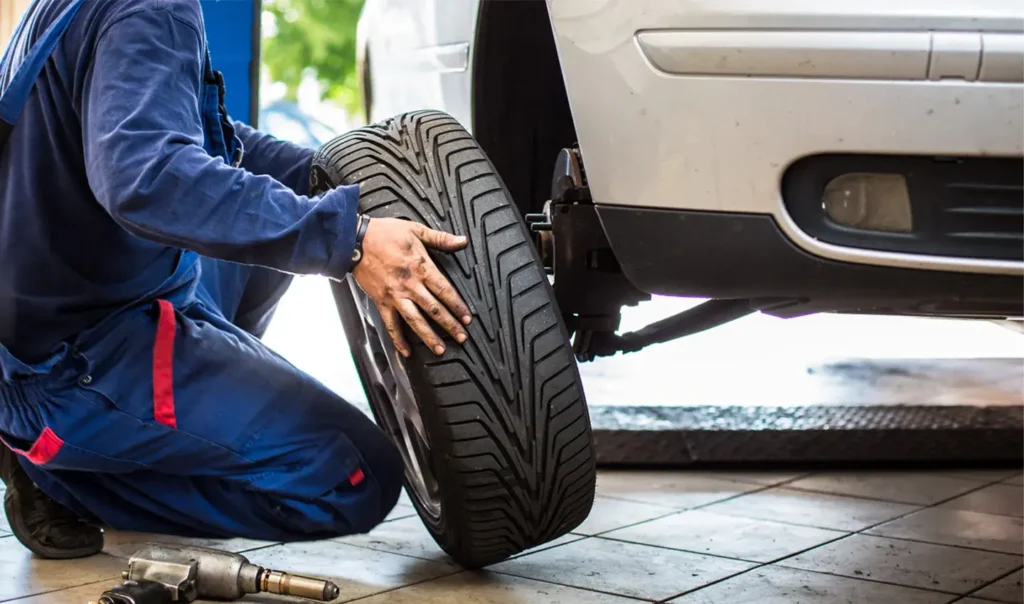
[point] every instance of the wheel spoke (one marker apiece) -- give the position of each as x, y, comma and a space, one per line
407, 403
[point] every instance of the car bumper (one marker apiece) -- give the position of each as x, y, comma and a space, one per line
703, 106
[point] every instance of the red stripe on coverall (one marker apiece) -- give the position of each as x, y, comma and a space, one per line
43, 450
163, 366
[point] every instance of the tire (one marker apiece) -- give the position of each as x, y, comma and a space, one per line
504, 459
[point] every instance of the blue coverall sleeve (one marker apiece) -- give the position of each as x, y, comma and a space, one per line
287, 163
144, 156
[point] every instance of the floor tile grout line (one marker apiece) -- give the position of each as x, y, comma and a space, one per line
696, 507
847, 533
983, 487
701, 507
759, 488
762, 565
850, 534
674, 512
541, 548
488, 570
386, 521
55, 591
626, 526
787, 484
876, 525
588, 589
992, 481
667, 507
967, 547
776, 564
387, 551
336, 540
715, 582
1017, 516
624, 500
871, 580
717, 476
965, 493
920, 508
391, 589
981, 599
992, 582
864, 497
828, 574
451, 562
261, 547
788, 523
719, 556
928, 507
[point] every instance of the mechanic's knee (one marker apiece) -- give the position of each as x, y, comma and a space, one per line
358, 508
388, 472
380, 487
325, 494
347, 509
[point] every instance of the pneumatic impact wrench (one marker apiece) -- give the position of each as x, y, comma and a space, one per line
162, 574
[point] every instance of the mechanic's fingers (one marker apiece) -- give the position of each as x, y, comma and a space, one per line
412, 316
442, 288
436, 311
439, 240
393, 323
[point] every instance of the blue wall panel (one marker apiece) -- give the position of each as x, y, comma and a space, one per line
231, 30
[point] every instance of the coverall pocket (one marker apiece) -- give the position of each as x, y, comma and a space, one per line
51, 452
130, 367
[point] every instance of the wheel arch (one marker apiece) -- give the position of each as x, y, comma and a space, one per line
521, 112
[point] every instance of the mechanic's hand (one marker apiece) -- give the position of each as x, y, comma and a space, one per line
396, 272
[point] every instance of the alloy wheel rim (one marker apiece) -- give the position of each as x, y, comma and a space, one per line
397, 406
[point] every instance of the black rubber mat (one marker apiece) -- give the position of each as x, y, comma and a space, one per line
674, 436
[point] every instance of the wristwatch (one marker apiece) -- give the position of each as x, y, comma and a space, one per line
362, 222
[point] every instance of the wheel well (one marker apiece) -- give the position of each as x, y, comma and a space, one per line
366, 83
521, 114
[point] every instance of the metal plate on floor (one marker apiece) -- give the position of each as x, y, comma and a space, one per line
807, 434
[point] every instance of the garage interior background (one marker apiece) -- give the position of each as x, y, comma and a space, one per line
690, 432
10, 12
233, 34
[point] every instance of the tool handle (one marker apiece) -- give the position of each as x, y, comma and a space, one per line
137, 592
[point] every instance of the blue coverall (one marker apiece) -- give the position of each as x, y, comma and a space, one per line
138, 270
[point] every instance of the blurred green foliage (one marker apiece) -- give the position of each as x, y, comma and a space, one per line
318, 36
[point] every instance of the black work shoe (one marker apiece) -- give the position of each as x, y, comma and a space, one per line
41, 524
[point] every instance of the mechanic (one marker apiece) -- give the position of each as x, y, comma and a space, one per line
145, 240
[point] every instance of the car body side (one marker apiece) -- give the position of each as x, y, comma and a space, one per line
690, 115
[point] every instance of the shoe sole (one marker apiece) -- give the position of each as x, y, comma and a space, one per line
11, 505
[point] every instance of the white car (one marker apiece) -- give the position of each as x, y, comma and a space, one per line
846, 155
787, 156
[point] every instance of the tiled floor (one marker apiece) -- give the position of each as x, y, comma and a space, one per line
680, 537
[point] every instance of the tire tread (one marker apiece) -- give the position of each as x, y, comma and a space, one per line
506, 412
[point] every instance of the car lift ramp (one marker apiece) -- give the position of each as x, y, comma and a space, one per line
862, 411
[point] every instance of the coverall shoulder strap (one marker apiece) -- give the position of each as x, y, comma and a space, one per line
14, 97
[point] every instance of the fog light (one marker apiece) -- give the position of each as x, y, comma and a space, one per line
874, 202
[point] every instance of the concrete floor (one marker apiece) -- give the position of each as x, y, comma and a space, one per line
681, 537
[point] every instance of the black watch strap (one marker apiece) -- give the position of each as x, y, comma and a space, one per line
362, 223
